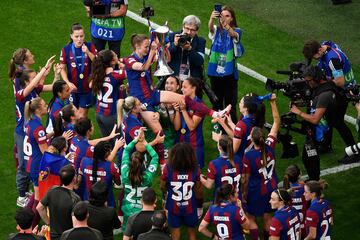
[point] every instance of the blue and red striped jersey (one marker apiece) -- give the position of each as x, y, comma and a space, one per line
82, 148
242, 131
319, 215
285, 224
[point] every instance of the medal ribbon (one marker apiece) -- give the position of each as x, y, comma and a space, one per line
80, 70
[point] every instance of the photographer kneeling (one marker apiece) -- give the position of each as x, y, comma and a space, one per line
324, 113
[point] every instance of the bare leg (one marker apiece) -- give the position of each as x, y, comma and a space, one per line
175, 233
191, 233
254, 230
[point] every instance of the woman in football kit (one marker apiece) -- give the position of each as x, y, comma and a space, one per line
65, 120
136, 175
75, 59
106, 82
226, 214
226, 168
138, 70
189, 123
260, 178
285, 223
296, 189
319, 216
29, 85
61, 94
180, 181
100, 168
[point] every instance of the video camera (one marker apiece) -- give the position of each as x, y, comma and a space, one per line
295, 88
183, 39
147, 12
352, 94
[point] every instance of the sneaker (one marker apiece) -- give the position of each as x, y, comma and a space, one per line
22, 201
29, 193
350, 159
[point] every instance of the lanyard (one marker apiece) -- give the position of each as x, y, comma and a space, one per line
80, 69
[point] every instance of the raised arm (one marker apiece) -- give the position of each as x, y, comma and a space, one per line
276, 117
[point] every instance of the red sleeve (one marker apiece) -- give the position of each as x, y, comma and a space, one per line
275, 227
271, 141
89, 152
93, 49
211, 171
129, 62
20, 95
311, 219
207, 217
200, 114
240, 215
63, 56
134, 132
40, 135
240, 130
246, 164
164, 174
114, 170
120, 75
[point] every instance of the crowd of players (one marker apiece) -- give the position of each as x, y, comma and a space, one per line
143, 130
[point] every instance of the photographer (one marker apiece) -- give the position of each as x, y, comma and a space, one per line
325, 109
107, 23
337, 68
187, 50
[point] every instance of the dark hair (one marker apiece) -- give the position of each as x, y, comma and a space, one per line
159, 219
311, 47
283, 195
136, 39
224, 192
67, 174
317, 187
59, 143
178, 82
100, 63
292, 174
24, 218
255, 108
257, 137
182, 157
232, 12
195, 82
136, 168
23, 75
18, 59
148, 196
75, 27
98, 194
58, 87
82, 126
314, 72
81, 211
101, 151
63, 117
226, 145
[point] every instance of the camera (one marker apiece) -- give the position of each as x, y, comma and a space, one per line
183, 39
147, 12
295, 88
352, 150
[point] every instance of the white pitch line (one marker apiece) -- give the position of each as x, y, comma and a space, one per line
241, 67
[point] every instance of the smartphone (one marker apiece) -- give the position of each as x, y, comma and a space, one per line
218, 7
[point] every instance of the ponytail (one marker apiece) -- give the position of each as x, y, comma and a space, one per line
224, 193
258, 139
58, 87
292, 174
226, 144
31, 106
317, 187
101, 61
284, 196
136, 169
64, 116
126, 105
18, 58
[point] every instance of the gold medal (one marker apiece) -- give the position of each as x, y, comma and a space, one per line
183, 131
81, 76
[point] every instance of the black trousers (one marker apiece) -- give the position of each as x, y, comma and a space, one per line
225, 88
100, 45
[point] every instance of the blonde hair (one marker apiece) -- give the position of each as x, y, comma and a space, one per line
31, 106
126, 105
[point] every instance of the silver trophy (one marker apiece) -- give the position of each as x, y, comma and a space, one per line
163, 68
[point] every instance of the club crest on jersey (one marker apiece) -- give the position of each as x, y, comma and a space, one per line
41, 133
73, 65
43, 175
142, 74
152, 168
